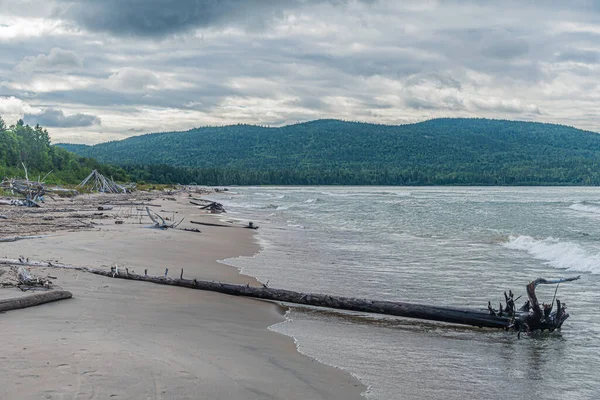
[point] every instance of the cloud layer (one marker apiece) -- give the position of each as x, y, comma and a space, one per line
57, 119
144, 66
56, 60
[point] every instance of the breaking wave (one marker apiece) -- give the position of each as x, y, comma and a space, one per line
557, 254
586, 207
315, 200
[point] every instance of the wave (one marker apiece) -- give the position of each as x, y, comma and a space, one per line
555, 253
296, 226
585, 206
356, 193
316, 200
258, 206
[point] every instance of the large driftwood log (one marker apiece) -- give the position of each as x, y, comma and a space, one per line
479, 318
249, 226
33, 300
211, 224
524, 319
15, 238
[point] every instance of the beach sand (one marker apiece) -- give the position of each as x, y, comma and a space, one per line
119, 339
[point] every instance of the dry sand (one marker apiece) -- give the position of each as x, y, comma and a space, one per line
120, 339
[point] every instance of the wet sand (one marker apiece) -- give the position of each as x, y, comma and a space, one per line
119, 339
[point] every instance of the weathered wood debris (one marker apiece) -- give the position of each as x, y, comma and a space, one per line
33, 191
212, 206
250, 225
18, 276
34, 300
529, 318
159, 222
97, 182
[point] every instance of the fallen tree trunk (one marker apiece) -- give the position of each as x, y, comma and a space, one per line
15, 238
34, 300
211, 224
20, 202
523, 319
479, 318
249, 226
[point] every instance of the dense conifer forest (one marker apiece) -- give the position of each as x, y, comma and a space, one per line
331, 152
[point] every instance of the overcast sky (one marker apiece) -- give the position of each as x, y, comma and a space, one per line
98, 70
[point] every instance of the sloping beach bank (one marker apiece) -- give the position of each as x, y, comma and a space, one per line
121, 339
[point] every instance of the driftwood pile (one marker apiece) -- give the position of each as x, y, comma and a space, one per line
97, 182
33, 191
18, 276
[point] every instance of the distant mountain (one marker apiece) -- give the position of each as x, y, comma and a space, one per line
439, 151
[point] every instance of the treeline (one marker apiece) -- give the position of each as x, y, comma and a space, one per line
22, 143
227, 176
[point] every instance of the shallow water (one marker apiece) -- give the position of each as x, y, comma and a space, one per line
435, 245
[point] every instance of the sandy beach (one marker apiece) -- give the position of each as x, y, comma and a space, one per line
118, 339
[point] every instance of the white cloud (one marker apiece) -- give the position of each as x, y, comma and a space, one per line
12, 109
133, 79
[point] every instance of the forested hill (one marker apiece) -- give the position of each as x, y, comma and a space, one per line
439, 151
22, 144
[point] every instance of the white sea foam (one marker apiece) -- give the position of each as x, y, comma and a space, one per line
315, 200
558, 254
295, 226
356, 193
586, 207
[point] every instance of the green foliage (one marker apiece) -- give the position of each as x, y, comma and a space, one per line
435, 152
21, 143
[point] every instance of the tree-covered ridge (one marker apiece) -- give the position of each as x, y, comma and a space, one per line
31, 146
439, 151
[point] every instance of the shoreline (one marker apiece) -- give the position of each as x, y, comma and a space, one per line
220, 344
284, 309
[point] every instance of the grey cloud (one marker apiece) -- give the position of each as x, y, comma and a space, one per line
441, 103
163, 17
582, 56
505, 49
56, 118
201, 98
436, 80
385, 62
56, 60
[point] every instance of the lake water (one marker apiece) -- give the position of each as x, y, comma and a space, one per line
435, 245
